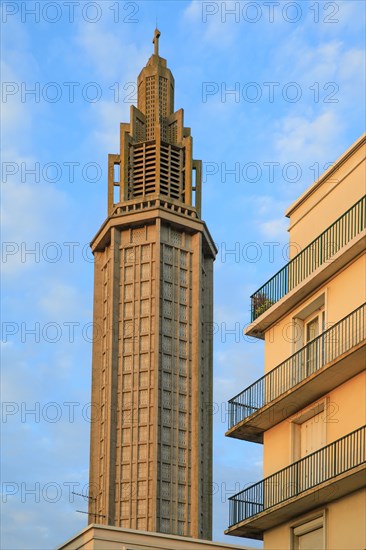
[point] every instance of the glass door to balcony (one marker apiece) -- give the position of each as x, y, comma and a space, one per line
314, 346
312, 438
311, 332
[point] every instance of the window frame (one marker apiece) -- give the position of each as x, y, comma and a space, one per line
316, 307
308, 524
301, 417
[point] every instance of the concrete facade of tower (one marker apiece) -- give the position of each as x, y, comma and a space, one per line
151, 429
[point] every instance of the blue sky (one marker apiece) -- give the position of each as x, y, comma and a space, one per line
273, 93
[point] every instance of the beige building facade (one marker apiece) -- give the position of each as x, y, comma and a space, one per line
151, 434
309, 408
102, 537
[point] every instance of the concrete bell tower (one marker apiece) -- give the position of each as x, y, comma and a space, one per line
151, 430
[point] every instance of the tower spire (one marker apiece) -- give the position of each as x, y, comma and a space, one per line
157, 34
155, 155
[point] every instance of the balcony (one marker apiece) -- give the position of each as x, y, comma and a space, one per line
335, 356
318, 478
315, 260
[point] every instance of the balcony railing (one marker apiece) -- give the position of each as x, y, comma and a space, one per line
319, 251
332, 343
304, 474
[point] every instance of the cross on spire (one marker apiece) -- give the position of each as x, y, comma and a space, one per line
156, 41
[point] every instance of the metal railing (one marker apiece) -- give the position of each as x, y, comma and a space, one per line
304, 474
332, 343
319, 251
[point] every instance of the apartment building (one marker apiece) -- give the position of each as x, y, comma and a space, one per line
309, 408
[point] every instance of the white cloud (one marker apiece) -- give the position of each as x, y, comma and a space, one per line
29, 206
16, 115
347, 16
17, 72
276, 228
116, 76
266, 205
215, 21
107, 116
353, 64
302, 62
307, 140
112, 54
28, 213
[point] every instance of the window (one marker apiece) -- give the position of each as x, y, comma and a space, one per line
309, 536
312, 434
309, 430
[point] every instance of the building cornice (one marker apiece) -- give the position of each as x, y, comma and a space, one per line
148, 215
